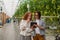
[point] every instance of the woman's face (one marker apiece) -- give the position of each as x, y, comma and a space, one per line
29, 16
36, 16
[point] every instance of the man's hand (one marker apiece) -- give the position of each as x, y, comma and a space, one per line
39, 26
32, 27
36, 25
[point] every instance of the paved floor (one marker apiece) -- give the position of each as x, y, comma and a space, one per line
11, 32
50, 38
1, 34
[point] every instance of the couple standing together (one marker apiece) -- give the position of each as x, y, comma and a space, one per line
26, 31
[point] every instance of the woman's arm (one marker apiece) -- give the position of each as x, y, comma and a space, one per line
30, 29
22, 25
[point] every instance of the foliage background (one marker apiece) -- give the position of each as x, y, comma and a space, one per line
46, 7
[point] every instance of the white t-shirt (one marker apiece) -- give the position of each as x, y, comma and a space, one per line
37, 30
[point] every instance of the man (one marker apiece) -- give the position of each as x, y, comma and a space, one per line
40, 27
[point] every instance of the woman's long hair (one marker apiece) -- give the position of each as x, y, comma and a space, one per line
26, 15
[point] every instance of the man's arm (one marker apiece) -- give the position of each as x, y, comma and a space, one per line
43, 26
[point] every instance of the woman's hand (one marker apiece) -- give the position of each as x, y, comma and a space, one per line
28, 20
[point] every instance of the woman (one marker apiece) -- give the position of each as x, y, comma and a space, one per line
25, 29
40, 27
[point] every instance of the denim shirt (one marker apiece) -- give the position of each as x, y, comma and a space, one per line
37, 30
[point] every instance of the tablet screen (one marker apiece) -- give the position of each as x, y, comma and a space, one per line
32, 23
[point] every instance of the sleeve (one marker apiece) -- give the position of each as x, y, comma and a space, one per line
22, 24
43, 24
28, 30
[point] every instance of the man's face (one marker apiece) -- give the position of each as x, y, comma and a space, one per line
36, 16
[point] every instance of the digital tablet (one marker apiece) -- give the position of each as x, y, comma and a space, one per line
32, 23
